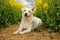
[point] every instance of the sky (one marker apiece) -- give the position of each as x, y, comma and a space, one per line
28, 3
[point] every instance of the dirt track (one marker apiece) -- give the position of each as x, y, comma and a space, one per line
6, 34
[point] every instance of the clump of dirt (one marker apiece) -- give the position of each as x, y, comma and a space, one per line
6, 34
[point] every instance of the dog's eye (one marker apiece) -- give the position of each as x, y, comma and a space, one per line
28, 11
24, 10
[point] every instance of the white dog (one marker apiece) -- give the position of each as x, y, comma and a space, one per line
28, 22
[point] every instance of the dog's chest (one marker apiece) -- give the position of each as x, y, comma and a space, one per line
26, 24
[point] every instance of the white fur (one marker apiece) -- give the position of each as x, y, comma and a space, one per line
29, 23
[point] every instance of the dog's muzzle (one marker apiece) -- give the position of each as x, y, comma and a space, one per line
25, 14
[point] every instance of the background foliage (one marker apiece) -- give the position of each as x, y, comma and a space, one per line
47, 10
8, 14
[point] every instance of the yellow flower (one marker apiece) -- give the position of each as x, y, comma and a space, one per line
13, 3
38, 2
45, 5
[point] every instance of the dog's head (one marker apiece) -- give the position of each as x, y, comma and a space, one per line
27, 12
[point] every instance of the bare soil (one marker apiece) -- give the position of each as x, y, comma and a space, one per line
6, 34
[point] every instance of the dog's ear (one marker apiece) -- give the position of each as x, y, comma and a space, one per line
33, 8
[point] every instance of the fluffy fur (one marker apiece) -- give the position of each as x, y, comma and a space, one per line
28, 22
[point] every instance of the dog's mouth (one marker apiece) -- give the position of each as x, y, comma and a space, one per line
26, 16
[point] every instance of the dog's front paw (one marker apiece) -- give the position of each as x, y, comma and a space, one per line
15, 33
21, 33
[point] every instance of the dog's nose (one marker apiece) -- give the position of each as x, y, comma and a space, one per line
25, 14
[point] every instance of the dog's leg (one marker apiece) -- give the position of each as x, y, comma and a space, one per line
19, 30
27, 30
36, 25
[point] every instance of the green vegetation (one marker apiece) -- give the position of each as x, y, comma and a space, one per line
8, 15
51, 15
